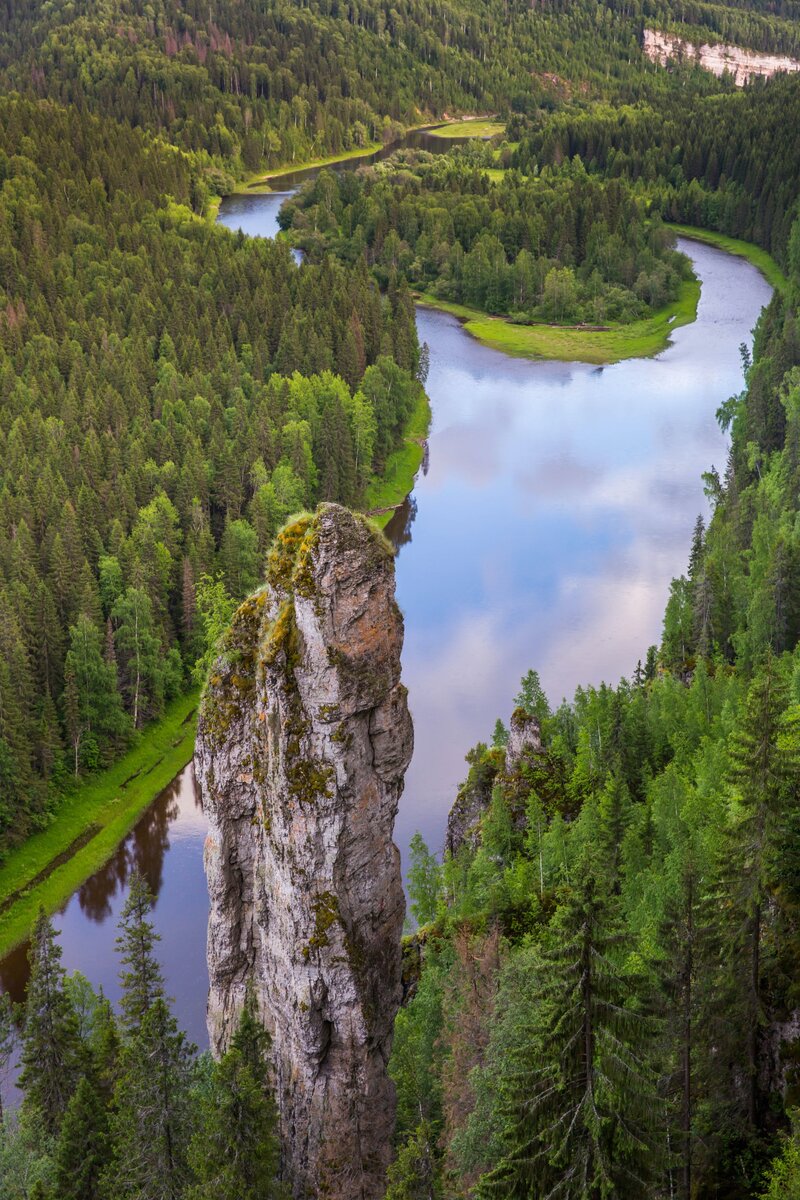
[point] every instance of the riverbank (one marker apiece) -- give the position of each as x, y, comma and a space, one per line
91, 822
260, 183
387, 492
571, 343
760, 259
98, 814
477, 127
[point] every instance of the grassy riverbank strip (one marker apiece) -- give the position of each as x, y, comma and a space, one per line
571, 343
264, 179
475, 127
261, 182
761, 259
387, 492
91, 823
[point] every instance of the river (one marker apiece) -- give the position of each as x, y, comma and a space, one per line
556, 503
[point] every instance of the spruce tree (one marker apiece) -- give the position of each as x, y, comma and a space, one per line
51, 1050
764, 773
141, 977
680, 968
82, 1150
581, 1108
235, 1152
151, 1119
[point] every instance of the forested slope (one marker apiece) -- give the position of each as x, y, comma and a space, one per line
724, 162
256, 84
154, 428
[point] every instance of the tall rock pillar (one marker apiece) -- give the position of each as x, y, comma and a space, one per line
303, 741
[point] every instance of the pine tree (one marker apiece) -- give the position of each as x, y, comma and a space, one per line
51, 1051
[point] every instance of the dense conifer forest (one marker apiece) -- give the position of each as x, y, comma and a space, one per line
170, 393
730, 165
560, 246
602, 988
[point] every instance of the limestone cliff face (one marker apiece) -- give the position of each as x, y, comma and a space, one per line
303, 741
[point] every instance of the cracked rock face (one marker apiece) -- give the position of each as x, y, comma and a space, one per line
303, 741
524, 738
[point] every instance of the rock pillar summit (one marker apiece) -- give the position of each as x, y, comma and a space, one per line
303, 742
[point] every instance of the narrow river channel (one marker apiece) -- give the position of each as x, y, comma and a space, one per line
556, 504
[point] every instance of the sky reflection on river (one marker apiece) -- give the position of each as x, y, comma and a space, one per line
558, 504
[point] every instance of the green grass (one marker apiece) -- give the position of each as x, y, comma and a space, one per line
754, 254
111, 802
266, 177
480, 128
639, 339
390, 489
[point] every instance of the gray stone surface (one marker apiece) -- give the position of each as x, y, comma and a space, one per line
303, 741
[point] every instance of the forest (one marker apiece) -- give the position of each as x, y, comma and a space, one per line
731, 166
119, 1104
170, 393
560, 246
603, 977
253, 85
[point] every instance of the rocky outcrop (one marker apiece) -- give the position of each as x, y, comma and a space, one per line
303, 741
486, 770
473, 800
524, 739
718, 58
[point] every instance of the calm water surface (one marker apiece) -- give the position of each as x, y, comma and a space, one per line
556, 504
258, 215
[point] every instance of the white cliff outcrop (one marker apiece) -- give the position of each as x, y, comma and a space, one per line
717, 57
